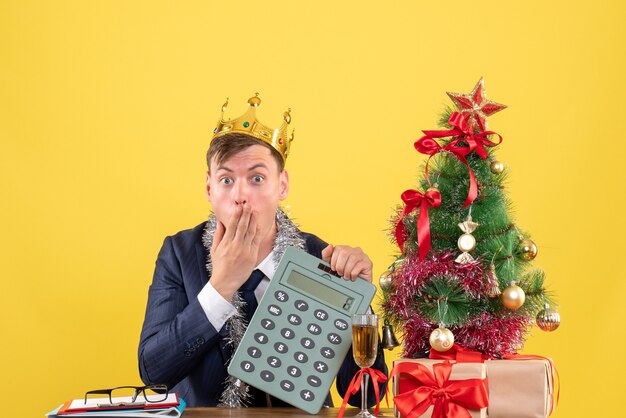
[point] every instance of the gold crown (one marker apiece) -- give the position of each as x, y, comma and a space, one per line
248, 124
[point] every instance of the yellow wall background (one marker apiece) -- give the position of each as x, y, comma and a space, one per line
107, 108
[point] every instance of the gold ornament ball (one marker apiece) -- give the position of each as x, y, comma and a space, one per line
433, 189
441, 339
548, 319
466, 242
496, 167
527, 249
385, 280
397, 264
513, 297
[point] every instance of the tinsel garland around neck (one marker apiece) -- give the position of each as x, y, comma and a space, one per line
236, 393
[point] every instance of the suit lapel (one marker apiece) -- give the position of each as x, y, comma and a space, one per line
225, 349
201, 257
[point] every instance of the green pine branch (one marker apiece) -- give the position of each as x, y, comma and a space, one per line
445, 301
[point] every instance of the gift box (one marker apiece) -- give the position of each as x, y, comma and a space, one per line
442, 385
520, 388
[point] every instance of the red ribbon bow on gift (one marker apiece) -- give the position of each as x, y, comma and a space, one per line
413, 199
464, 133
458, 353
450, 398
377, 377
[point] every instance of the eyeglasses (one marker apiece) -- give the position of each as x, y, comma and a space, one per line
129, 394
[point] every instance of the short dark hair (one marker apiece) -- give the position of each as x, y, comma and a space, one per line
227, 145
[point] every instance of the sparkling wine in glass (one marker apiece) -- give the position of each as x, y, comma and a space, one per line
364, 350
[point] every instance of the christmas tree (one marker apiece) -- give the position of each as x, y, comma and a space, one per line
464, 270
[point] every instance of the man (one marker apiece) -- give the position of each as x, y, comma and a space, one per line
209, 279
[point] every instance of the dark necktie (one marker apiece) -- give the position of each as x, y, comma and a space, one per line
247, 293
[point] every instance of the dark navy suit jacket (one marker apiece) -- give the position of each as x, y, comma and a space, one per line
179, 346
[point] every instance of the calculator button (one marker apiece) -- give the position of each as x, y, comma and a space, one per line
260, 338
247, 366
274, 361
307, 342
314, 329
281, 348
327, 352
287, 333
281, 296
341, 325
254, 352
321, 315
293, 371
301, 357
334, 338
314, 381
307, 395
287, 385
301, 305
274, 310
320, 366
294, 319
268, 323
267, 376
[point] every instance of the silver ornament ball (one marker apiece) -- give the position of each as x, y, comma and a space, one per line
548, 319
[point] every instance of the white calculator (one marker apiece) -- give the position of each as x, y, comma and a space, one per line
301, 331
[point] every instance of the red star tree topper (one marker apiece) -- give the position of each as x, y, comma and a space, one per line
475, 105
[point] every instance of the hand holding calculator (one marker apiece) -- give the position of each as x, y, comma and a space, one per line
301, 331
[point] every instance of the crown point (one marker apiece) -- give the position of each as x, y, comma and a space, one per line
225, 105
254, 101
249, 125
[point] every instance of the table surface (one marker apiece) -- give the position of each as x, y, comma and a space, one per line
273, 412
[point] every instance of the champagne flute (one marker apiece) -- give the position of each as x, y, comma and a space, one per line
364, 350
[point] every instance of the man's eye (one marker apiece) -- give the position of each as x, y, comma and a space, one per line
226, 180
257, 179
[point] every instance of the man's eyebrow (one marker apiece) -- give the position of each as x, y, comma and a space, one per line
259, 165
254, 167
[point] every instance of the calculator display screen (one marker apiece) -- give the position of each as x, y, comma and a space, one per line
319, 290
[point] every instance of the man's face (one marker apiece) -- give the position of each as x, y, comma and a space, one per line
250, 177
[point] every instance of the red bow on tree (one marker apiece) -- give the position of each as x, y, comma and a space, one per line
463, 132
412, 200
450, 398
